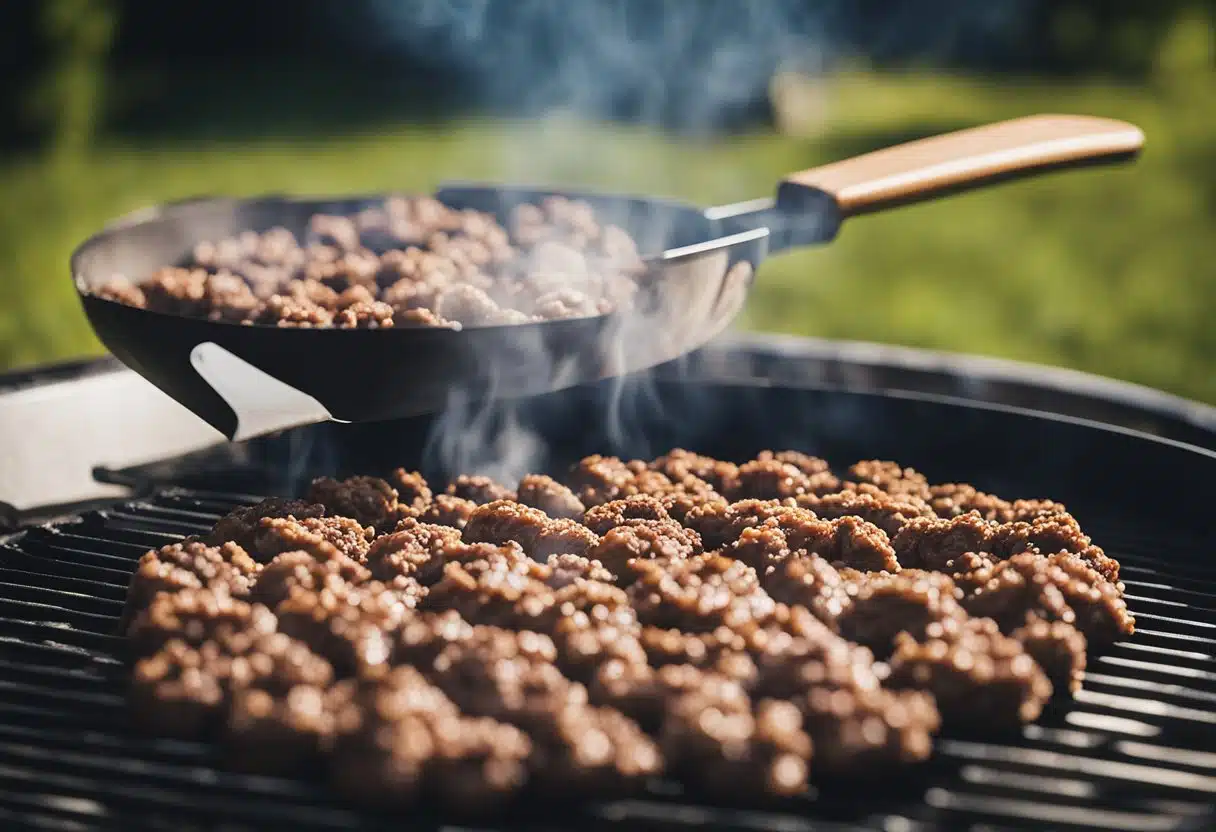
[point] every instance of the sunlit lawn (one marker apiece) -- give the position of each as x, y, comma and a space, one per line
1111, 271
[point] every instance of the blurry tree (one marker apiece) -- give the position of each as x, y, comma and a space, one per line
68, 98
1114, 37
1120, 36
271, 66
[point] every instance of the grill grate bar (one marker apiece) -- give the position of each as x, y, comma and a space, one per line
1209, 598
42, 693
1162, 570
172, 514
1149, 686
1003, 779
1147, 633
25, 774
31, 593
226, 500
92, 720
128, 530
85, 675
1203, 629
1075, 764
1157, 667
1046, 734
196, 505
984, 805
58, 648
1185, 655
64, 583
182, 751
1138, 561
1111, 724
650, 815
1204, 760
1148, 602
122, 527
60, 634
54, 615
92, 538
1144, 707
20, 811
105, 582
75, 549
166, 771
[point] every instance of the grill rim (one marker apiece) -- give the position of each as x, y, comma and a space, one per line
972, 377
978, 378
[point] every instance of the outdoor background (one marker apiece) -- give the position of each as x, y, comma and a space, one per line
106, 107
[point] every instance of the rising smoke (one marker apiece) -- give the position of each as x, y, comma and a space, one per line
694, 65
691, 65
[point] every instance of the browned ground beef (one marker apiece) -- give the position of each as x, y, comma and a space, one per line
580, 635
410, 262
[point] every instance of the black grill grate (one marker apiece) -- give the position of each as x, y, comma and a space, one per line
1128, 754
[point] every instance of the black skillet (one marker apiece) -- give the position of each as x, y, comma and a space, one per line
250, 380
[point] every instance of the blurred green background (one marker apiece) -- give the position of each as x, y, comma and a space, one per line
1107, 270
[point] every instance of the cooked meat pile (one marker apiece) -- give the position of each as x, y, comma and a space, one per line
742, 628
413, 262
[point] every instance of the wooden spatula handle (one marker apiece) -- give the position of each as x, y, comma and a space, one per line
967, 159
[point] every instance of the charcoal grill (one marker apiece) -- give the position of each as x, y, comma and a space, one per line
1133, 751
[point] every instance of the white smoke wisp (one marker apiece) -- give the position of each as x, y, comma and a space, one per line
485, 437
669, 62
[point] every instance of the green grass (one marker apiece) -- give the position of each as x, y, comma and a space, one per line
1111, 271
